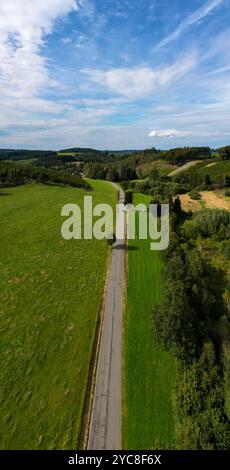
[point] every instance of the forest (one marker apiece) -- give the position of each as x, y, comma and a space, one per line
192, 320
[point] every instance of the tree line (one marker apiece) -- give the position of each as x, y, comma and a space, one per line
187, 321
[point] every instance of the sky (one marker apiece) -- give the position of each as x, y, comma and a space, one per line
114, 74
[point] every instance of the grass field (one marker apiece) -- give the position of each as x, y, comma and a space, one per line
50, 293
150, 374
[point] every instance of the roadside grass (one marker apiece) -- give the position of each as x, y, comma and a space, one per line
49, 299
150, 374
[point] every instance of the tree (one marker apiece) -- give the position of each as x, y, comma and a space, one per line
111, 239
175, 323
225, 152
177, 208
207, 180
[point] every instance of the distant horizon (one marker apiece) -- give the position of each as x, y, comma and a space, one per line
106, 149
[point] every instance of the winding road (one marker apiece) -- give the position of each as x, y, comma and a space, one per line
105, 425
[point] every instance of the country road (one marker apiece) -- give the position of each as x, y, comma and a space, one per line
105, 425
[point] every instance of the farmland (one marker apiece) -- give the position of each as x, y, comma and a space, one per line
150, 373
50, 293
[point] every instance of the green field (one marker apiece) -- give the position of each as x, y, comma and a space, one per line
150, 374
50, 293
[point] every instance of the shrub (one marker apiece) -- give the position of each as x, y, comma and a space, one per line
225, 248
195, 195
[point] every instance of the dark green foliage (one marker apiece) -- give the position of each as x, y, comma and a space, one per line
201, 177
208, 223
109, 173
111, 239
199, 404
195, 195
224, 152
175, 323
154, 175
207, 180
128, 197
225, 248
177, 208
182, 155
188, 322
54, 161
182, 317
17, 155
14, 175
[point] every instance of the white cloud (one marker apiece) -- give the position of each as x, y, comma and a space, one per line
23, 26
169, 134
137, 82
190, 20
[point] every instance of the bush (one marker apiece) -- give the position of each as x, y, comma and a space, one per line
129, 196
195, 195
225, 248
207, 223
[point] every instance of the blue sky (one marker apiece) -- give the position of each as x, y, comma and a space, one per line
114, 74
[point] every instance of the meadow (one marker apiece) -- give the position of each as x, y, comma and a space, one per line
150, 374
49, 300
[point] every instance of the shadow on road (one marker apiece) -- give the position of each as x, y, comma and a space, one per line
122, 246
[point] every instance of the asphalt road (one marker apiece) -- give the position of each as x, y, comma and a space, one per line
105, 426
